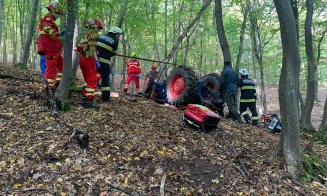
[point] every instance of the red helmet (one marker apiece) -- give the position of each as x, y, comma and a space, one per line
153, 66
94, 22
55, 7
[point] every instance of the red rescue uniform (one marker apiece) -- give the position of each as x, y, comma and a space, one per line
133, 72
49, 44
86, 46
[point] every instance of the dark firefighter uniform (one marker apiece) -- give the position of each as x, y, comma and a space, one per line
248, 99
107, 45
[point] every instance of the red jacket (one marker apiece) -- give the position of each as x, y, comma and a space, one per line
49, 39
133, 66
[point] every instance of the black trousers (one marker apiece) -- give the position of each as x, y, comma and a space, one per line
252, 106
105, 81
231, 102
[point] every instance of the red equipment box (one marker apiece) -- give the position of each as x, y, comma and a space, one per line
201, 117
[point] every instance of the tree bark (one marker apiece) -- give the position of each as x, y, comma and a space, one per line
324, 117
63, 89
289, 146
320, 39
2, 14
221, 31
119, 23
29, 38
295, 11
240, 49
309, 101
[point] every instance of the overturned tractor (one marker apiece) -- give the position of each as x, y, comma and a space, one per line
183, 87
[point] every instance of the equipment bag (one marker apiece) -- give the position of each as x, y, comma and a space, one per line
200, 117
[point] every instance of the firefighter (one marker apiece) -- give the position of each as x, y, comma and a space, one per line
133, 72
107, 45
89, 60
248, 97
153, 72
228, 87
49, 44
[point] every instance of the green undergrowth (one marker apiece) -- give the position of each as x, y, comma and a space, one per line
314, 168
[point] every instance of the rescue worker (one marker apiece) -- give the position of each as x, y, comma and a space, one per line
228, 87
107, 45
248, 97
42, 56
49, 44
89, 60
153, 72
133, 71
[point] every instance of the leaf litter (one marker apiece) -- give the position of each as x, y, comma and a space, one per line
133, 146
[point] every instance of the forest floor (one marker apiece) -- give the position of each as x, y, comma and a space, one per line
137, 147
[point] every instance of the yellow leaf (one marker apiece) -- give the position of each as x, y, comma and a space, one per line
63, 194
161, 152
123, 158
125, 182
17, 185
58, 164
144, 153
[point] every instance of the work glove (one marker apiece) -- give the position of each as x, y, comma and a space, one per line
97, 64
62, 32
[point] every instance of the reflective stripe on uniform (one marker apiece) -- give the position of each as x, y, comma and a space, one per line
248, 88
89, 94
50, 80
255, 118
247, 100
105, 89
58, 78
104, 60
105, 46
244, 113
59, 74
89, 89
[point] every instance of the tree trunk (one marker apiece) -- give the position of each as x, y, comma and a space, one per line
320, 39
309, 101
324, 117
76, 55
30, 33
263, 98
119, 23
240, 49
295, 11
63, 89
2, 18
221, 31
289, 146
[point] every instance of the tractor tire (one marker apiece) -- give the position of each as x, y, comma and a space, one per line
212, 80
181, 87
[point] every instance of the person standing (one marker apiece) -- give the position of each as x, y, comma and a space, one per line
107, 45
89, 60
133, 71
228, 87
49, 44
248, 97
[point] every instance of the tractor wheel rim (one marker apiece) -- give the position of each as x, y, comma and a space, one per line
177, 86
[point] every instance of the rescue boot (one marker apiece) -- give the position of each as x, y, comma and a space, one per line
89, 104
82, 99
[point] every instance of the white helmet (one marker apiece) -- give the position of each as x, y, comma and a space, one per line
244, 72
116, 29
